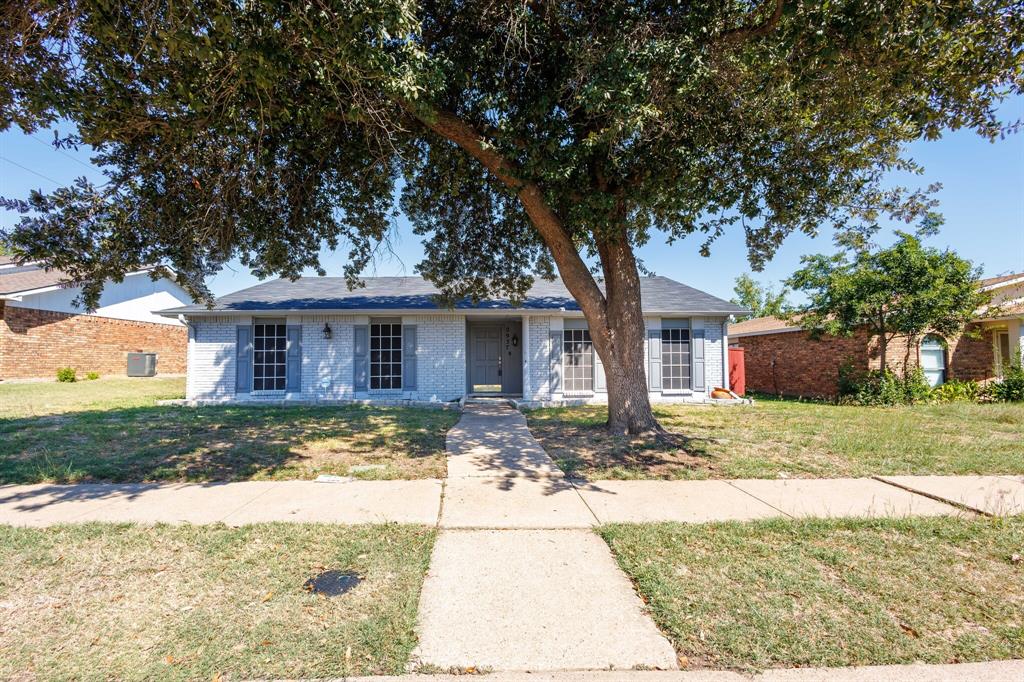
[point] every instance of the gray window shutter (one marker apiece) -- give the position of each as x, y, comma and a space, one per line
361, 358
654, 364
697, 354
243, 359
600, 385
293, 370
556, 361
409, 357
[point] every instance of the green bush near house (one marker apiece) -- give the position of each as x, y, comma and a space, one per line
955, 391
66, 375
887, 388
92, 376
1011, 388
882, 387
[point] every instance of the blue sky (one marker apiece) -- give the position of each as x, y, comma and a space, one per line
982, 200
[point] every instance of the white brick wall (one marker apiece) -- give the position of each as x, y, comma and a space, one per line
327, 364
327, 371
440, 358
539, 359
211, 358
713, 348
540, 370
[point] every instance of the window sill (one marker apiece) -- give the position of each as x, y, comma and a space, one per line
684, 391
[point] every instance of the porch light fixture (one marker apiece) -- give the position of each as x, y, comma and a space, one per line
327, 331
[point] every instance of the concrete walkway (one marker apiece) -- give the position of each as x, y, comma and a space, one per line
515, 599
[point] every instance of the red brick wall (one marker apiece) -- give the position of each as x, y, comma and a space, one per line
972, 358
791, 363
36, 343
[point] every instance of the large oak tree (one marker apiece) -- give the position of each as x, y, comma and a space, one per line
525, 135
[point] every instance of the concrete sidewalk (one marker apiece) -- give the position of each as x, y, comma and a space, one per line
232, 503
990, 671
551, 502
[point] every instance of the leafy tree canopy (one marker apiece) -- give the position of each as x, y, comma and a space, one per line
759, 299
905, 289
522, 133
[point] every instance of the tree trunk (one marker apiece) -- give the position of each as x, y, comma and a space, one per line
883, 345
620, 342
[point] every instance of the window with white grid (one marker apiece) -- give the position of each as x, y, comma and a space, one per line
269, 362
577, 361
385, 356
675, 359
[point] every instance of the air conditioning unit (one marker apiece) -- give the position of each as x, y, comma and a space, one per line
141, 364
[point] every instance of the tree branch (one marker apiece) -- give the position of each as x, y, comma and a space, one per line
758, 30
574, 271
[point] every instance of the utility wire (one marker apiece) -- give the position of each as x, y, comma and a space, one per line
61, 151
29, 170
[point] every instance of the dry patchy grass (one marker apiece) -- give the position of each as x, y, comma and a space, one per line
187, 602
831, 593
50, 433
790, 438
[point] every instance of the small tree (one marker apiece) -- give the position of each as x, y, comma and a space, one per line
904, 289
761, 300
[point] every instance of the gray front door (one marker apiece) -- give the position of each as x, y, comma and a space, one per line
485, 358
512, 358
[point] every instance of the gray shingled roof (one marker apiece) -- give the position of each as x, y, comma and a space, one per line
15, 279
658, 294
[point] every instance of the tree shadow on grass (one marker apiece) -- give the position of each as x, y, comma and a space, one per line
220, 443
583, 447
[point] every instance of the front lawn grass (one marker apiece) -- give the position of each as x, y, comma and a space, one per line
774, 438
831, 593
123, 602
112, 430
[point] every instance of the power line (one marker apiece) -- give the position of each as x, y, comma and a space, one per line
29, 170
61, 151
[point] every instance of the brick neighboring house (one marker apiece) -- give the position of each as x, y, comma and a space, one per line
313, 340
781, 358
41, 330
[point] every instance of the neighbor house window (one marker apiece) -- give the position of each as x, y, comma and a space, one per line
269, 363
577, 361
1002, 352
933, 360
385, 355
675, 359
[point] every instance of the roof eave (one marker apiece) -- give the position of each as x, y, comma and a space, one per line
761, 332
248, 312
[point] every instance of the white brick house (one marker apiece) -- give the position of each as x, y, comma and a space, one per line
313, 339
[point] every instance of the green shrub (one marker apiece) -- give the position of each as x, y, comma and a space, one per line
954, 391
66, 375
1011, 387
882, 387
92, 376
